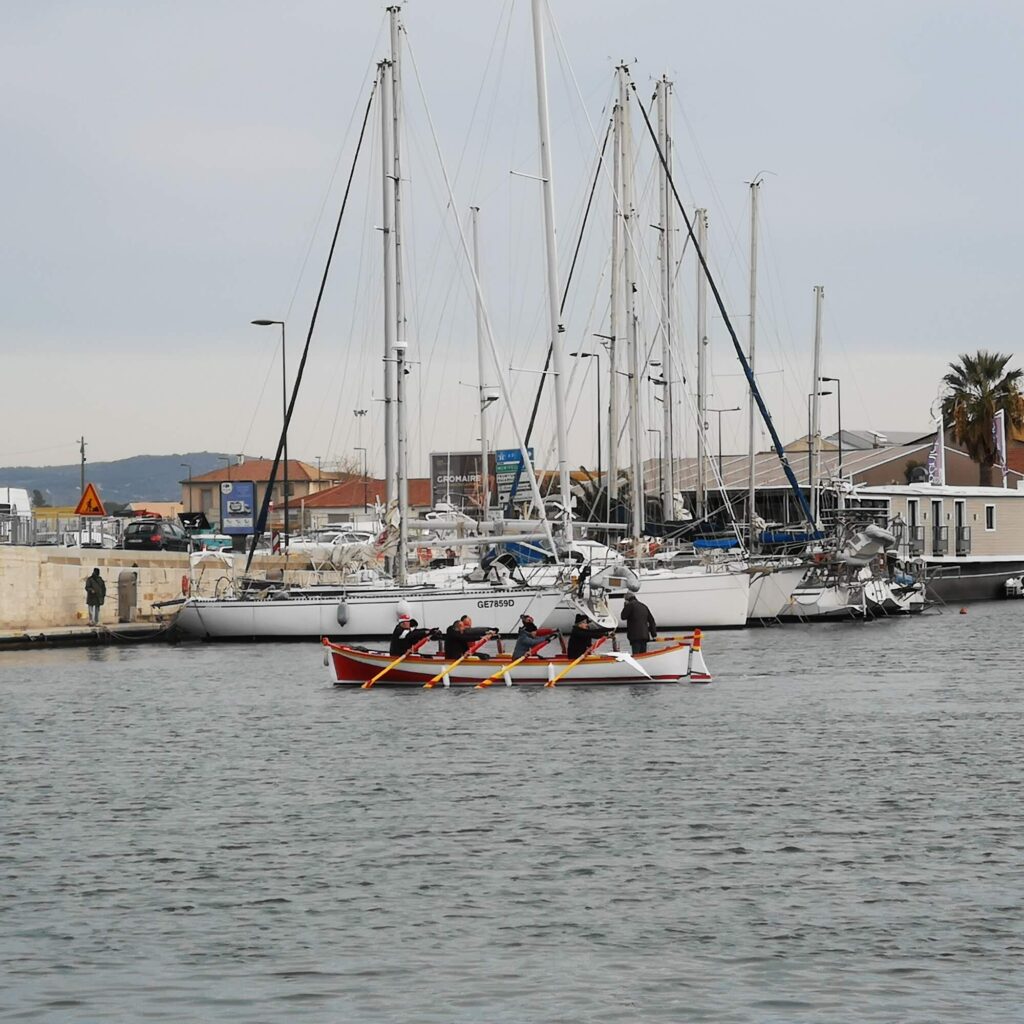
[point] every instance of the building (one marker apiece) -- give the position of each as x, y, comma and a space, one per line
353, 501
202, 493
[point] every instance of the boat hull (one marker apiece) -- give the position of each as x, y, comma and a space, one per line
353, 666
771, 591
684, 598
953, 580
358, 613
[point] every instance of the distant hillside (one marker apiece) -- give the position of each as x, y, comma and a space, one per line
140, 478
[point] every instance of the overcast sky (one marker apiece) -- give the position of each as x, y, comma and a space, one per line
166, 166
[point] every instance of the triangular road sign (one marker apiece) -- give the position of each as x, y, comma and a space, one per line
90, 505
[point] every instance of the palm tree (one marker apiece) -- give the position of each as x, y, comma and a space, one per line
978, 388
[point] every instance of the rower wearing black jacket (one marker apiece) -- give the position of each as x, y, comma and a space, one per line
461, 634
584, 632
407, 634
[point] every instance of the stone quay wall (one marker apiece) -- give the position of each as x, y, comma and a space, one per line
44, 587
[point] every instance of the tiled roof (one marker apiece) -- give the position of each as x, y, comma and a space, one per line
258, 470
349, 494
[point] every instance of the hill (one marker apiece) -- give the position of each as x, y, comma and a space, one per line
139, 478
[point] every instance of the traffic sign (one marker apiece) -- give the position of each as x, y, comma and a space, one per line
90, 504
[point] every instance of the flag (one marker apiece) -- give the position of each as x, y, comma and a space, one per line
937, 457
999, 438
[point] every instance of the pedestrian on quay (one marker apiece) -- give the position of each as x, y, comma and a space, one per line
95, 595
640, 624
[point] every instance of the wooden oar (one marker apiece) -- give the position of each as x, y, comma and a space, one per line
508, 668
572, 664
398, 661
473, 648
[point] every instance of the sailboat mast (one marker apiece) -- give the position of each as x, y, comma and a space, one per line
751, 349
629, 274
701, 217
485, 480
551, 263
613, 316
667, 305
387, 232
815, 438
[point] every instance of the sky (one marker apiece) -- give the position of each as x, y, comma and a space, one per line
174, 171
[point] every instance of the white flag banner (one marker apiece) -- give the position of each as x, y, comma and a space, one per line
937, 457
999, 437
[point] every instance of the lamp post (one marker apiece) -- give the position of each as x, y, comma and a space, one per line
733, 408
318, 472
365, 503
839, 415
185, 465
597, 356
284, 415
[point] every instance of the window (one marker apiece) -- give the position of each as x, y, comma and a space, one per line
990, 517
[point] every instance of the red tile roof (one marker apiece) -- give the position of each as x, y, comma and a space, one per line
259, 470
349, 494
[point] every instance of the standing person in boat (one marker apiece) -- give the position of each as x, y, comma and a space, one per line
528, 635
584, 632
640, 624
461, 634
95, 595
406, 634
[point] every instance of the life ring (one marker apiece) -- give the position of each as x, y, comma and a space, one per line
185, 585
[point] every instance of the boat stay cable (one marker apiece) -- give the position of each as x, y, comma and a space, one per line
261, 522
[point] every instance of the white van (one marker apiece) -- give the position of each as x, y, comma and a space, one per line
14, 501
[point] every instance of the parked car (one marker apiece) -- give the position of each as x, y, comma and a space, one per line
155, 535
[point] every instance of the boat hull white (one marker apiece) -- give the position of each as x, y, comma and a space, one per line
359, 612
770, 591
684, 598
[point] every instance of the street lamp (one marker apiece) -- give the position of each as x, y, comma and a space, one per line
839, 414
365, 503
734, 408
597, 356
284, 415
185, 465
318, 472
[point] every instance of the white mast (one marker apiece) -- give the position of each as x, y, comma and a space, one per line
664, 92
485, 392
613, 318
701, 217
387, 206
751, 350
551, 253
629, 273
401, 345
815, 439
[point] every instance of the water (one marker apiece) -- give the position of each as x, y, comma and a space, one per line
830, 832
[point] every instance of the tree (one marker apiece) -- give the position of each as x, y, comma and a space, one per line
39, 499
979, 386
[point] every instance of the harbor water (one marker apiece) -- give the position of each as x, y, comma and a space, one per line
829, 832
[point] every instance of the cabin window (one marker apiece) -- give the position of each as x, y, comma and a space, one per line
990, 517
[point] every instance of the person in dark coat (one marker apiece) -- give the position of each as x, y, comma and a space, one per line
640, 624
407, 634
460, 635
584, 632
95, 595
527, 638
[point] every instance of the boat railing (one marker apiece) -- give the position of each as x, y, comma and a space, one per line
963, 541
940, 540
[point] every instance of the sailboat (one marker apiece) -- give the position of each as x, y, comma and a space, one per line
371, 609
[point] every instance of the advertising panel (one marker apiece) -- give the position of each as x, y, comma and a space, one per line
507, 463
455, 479
238, 508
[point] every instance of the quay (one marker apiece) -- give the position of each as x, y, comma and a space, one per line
42, 592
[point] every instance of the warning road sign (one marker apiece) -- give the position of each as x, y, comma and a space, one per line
90, 505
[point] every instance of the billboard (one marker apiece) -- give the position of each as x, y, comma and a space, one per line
507, 463
455, 479
237, 508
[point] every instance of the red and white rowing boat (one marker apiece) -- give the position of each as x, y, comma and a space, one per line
678, 661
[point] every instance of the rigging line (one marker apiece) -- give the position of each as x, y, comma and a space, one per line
261, 522
561, 306
503, 385
766, 416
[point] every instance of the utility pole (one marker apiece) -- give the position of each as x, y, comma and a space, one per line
81, 449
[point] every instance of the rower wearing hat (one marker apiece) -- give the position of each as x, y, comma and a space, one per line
406, 634
528, 636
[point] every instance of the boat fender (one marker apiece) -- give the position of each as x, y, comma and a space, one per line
342, 613
185, 587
